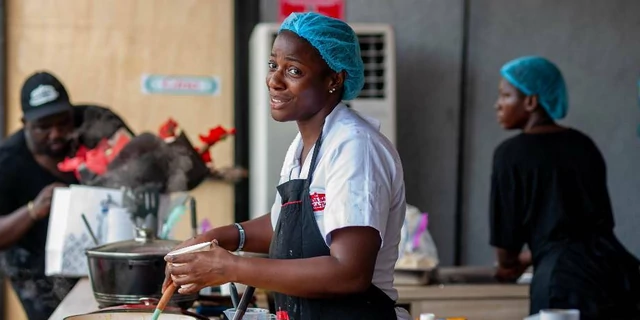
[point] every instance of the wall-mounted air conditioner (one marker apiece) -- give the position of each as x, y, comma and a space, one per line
269, 140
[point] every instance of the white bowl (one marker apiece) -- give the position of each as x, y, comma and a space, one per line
559, 314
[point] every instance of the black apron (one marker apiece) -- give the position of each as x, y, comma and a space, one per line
595, 274
297, 236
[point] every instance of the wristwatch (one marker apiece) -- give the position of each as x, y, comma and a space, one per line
242, 236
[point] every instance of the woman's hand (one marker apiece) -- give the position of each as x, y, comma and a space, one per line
525, 258
167, 276
509, 275
511, 264
201, 269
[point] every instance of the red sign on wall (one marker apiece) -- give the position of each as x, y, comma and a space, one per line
331, 8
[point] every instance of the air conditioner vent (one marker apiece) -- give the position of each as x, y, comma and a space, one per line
372, 47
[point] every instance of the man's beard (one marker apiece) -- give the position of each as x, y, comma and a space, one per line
59, 153
46, 149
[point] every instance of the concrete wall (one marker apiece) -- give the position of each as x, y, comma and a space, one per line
594, 42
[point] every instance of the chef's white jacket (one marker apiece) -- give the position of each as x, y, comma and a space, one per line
358, 181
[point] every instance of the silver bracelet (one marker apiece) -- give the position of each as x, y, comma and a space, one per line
242, 237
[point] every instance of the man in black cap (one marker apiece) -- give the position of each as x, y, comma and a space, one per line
28, 175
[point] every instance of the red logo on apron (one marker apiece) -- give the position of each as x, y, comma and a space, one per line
318, 201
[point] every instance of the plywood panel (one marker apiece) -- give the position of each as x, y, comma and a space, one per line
13, 308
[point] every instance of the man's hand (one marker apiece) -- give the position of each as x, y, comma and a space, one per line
42, 203
16, 224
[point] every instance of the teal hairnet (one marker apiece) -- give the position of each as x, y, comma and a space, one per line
337, 43
538, 76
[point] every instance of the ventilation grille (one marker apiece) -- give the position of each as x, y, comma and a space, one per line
372, 50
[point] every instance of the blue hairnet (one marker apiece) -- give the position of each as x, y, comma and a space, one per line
538, 76
337, 43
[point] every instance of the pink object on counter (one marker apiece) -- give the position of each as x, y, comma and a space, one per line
205, 226
422, 227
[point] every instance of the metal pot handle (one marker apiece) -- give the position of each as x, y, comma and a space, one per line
149, 301
145, 235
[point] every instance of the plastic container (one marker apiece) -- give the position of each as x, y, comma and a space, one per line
251, 314
427, 316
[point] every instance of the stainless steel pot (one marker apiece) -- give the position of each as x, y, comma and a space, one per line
125, 272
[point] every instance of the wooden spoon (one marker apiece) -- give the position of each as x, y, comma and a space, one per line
166, 296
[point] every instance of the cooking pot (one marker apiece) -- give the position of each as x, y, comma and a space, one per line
126, 271
138, 312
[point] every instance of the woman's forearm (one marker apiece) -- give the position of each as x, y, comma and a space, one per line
258, 234
318, 277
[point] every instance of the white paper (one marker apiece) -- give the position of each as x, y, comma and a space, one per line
119, 226
67, 236
55, 232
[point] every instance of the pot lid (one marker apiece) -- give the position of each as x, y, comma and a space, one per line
145, 244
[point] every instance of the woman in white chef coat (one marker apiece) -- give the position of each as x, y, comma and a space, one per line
332, 234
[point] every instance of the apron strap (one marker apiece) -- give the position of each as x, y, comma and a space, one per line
314, 160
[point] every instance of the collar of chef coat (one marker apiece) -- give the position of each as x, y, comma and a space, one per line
292, 168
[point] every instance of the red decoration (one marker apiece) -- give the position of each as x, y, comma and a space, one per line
71, 165
205, 156
216, 134
168, 129
282, 315
82, 152
96, 159
330, 8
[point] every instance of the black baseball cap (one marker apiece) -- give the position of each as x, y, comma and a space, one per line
43, 95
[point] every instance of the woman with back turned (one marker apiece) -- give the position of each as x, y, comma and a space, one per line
549, 191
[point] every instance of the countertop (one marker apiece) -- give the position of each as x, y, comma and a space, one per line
80, 300
462, 291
